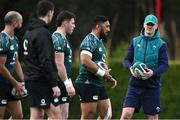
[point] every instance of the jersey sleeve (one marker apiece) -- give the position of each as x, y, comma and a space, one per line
88, 44
58, 43
4, 44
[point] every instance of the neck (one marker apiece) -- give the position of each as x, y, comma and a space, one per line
61, 30
96, 33
45, 19
9, 30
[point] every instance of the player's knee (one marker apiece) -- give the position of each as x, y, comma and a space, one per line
55, 114
153, 117
88, 115
108, 114
64, 115
41, 115
126, 115
17, 116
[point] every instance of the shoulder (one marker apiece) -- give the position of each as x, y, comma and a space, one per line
57, 35
58, 38
136, 39
42, 31
4, 39
162, 41
4, 42
89, 40
16, 39
163, 44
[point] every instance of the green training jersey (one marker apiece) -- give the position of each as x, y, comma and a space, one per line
61, 44
96, 47
9, 49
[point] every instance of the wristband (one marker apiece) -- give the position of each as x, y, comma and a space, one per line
68, 83
100, 72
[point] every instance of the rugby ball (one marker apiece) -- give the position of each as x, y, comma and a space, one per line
139, 68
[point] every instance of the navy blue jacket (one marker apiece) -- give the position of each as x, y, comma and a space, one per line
155, 80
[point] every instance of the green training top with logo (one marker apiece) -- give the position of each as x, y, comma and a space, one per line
96, 47
61, 44
9, 49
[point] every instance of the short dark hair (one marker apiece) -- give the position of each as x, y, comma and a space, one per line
64, 15
43, 7
99, 19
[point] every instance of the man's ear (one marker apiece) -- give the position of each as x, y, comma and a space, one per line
156, 26
15, 23
98, 26
144, 25
48, 13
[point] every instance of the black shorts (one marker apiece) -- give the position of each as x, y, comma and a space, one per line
40, 94
5, 93
90, 93
63, 98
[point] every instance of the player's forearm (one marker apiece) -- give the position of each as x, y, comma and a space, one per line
19, 71
62, 72
90, 66
7, 75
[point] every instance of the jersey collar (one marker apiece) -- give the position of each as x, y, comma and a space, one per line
94, 35
8, 35
63, 36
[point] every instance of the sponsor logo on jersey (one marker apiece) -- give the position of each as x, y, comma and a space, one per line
87, 82
12, 47
100, 49
59, 48
154, 46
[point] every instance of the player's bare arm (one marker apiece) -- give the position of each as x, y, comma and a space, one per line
86, 61
18, 70
6, 74
59, 58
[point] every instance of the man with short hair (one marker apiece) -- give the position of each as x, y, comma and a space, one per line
63, 56
9, 63
144, 90
94, 71
41, 73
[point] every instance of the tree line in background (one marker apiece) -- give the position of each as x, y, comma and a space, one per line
126, 18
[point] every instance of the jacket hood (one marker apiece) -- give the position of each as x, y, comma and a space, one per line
156, 35
36, 23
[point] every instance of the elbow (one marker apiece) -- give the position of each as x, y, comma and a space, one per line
83, 62
59, 66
